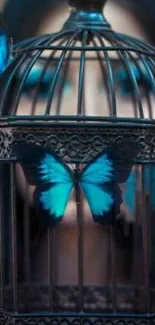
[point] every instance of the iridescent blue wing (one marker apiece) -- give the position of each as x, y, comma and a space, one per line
52, 177
99, 180
52, 201
4, 51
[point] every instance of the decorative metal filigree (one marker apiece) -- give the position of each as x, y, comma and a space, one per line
70, 320
79, 143
6, 141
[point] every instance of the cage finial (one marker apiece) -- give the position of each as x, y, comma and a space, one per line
87, 14
95, 5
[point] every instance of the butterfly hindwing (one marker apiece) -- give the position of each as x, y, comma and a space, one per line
52, 202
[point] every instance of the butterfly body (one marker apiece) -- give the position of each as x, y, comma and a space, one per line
76, 177
55, 180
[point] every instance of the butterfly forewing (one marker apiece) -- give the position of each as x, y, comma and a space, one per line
52, 170
42, 166
99, 171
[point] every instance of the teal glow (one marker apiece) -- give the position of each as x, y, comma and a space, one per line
44, 84
124, 82
4, 52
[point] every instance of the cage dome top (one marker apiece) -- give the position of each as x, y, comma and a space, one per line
85, 37
72, 119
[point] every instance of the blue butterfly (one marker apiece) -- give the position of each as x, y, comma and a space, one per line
55, 180
5, 56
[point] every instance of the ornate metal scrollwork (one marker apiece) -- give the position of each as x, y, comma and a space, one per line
69, 320
78, 143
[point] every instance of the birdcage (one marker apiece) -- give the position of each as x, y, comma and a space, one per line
77, 137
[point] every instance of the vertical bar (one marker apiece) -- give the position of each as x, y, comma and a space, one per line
80, 244
113, 262
80, 105
150, 202
1, 241
13, 235
104, 76
50, 235
26, 238
136, 245
145, 241
80, 110
63, 79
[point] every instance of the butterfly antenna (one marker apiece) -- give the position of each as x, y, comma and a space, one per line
68, 161
66, 158
84, 159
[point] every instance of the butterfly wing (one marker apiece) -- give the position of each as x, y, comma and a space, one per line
95, 182
99, 180
123, 154
51, 176
52, 202
4, 51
